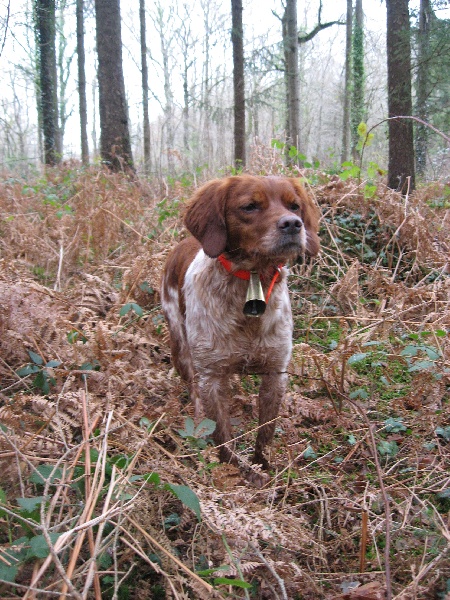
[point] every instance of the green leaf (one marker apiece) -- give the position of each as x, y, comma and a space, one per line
292, 152
145, 423
125, 309
386, 448
394, 425
432, 353
172, 520
421, 365
30, 504
74, 335
42, 382
207, 572
39, 547
131, 306
359, 393
36, 358
8, 573
53, 363
153, 478
444, 493
370, 191
187, 497
351, 439
362, 129
277, 144
205, 428
121, 460
189, 428
146, 287
356, 358
27, 370
309, 453
409, 351
443, 432
105, 560
44, 472
2, 501
235, 582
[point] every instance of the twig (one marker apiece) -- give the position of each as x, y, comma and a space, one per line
93, 489
57, 285
178, 562
8, 11
141, 235
280, 581
445, 137
387, 506
235, 562
363, 542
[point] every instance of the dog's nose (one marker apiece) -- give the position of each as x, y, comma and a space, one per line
290, 224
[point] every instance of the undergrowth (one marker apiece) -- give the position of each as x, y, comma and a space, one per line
110, 490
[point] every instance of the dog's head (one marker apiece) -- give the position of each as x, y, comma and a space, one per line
264, 219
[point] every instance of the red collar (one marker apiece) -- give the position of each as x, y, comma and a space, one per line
242, 274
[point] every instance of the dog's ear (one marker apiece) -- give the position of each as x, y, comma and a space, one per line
310, 217
205, 217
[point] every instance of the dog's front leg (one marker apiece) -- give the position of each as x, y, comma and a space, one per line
271, 393
214, 392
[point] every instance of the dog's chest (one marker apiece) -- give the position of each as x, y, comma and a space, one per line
217, 328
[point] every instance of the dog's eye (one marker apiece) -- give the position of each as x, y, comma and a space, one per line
294, 206
251, 207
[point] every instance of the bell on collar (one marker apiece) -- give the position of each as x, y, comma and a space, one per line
255, 303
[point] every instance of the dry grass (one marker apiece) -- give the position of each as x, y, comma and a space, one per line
357, 505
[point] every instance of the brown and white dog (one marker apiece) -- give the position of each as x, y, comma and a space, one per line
240, 225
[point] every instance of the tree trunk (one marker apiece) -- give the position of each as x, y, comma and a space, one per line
290, 46
357, 109
186, 44
45, 28
144, 67
115, 143
205, 101
163, 21
422, 83
237, 39
401, 141
348, 64
82, 82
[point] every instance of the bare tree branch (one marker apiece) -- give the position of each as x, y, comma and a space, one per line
8, 11
304, 38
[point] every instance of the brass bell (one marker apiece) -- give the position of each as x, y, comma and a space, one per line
255, 303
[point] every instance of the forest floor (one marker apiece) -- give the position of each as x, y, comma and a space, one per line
108, 488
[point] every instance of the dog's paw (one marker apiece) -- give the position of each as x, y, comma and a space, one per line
256, 477
259, 459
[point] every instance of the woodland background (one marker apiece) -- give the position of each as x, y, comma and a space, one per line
108, 487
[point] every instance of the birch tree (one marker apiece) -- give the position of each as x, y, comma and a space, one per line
163, 22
